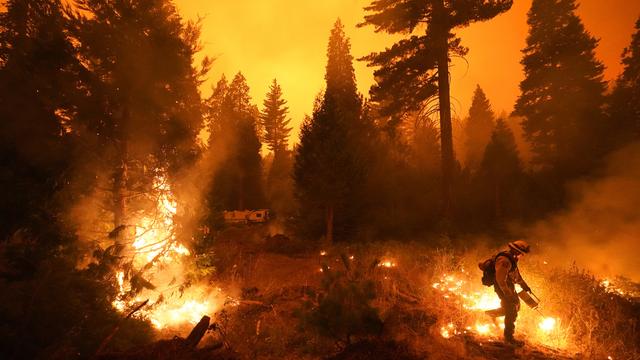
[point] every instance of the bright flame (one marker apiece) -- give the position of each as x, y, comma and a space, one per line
387, 263
480, 313
483, 329
157, 257
611, 288
190, 311
547, 324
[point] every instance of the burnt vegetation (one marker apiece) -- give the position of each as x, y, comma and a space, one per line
119, 177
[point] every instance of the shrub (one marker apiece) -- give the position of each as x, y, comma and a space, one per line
342, 308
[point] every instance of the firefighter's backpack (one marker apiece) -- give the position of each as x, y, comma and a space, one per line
488, 268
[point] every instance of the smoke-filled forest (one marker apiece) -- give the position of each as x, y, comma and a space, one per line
159, 201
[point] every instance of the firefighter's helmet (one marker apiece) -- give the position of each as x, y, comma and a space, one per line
519, 246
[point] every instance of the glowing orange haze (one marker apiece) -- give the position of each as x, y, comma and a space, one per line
287, 39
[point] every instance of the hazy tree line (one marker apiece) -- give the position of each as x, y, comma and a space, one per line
98, 100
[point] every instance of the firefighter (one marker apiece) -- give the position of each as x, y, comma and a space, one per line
507, 275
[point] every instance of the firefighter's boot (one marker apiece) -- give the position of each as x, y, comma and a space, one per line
510, 340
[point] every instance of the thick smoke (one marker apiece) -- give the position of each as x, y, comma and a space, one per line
600, 230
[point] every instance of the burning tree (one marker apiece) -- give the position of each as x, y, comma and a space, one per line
138, 121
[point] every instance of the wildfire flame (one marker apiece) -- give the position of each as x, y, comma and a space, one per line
156, 250
611, 288
387, 263
474, 301
547, 324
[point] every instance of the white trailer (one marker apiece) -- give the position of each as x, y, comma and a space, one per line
246, 216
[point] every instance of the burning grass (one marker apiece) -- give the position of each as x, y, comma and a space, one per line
429, 302
432, 299
578, 314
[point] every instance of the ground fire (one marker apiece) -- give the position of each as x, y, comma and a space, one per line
475, 301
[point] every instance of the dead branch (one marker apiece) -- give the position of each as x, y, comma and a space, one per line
106, 340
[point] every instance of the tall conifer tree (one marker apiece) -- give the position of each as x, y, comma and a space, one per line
328, 170
561, 96
416, 69
501, 170
38, 96
478, 129
625, 100
275, 125
274, 119
143, 107
237, 183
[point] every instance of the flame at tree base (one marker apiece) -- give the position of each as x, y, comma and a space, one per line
156, 270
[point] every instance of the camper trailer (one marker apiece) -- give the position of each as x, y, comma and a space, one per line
246, 216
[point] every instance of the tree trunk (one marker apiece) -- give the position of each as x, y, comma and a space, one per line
497, 200
119, 194
329, 231
241, 192
446, 136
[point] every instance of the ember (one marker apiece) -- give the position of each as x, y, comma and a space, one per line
387, 263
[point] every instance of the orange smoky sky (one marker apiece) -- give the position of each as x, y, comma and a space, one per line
287, 39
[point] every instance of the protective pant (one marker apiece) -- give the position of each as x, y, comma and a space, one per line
510, 307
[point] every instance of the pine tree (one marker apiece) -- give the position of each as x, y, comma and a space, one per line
38, 93
407, 78
329, 167
625, 100
280, 184
478, 128
142, 110
217, 108
237, 183
274, 119
275, 125
562, 94
501, 169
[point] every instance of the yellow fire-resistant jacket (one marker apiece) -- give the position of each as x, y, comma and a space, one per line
506, 276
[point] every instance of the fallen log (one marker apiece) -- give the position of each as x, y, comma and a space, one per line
197, 333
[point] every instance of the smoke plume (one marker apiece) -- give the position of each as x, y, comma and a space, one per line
600, 230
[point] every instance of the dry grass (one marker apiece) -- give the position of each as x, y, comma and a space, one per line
593, 323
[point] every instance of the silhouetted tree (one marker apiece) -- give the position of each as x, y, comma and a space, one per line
625, 100
415, 69
275, 124
49, 307
237, 183
280, 184
477, 129
501, 171
329, 168
38, 76
274, 120
561, 96
143, 109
